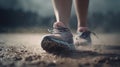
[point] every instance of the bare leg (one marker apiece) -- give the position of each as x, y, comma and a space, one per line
61, 38
62, 9
81, 7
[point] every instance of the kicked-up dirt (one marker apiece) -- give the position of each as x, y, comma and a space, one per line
24, 50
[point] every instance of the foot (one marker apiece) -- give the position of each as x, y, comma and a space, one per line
60, 40
83, 38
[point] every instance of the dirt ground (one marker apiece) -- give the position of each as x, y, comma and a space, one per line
24, 50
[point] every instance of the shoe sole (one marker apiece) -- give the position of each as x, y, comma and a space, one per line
53, 45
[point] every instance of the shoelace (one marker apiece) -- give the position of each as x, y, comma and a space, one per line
82, 35
50, 30
61, 29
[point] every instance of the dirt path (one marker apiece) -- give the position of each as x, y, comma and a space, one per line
23, 50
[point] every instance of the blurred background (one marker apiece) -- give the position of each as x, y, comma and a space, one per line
37, 15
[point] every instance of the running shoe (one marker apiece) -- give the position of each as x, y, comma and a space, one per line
60, 40
83, 38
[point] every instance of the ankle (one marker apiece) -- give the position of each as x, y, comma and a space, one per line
82, 29
59, 24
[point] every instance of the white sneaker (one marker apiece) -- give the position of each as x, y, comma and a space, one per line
83, 38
